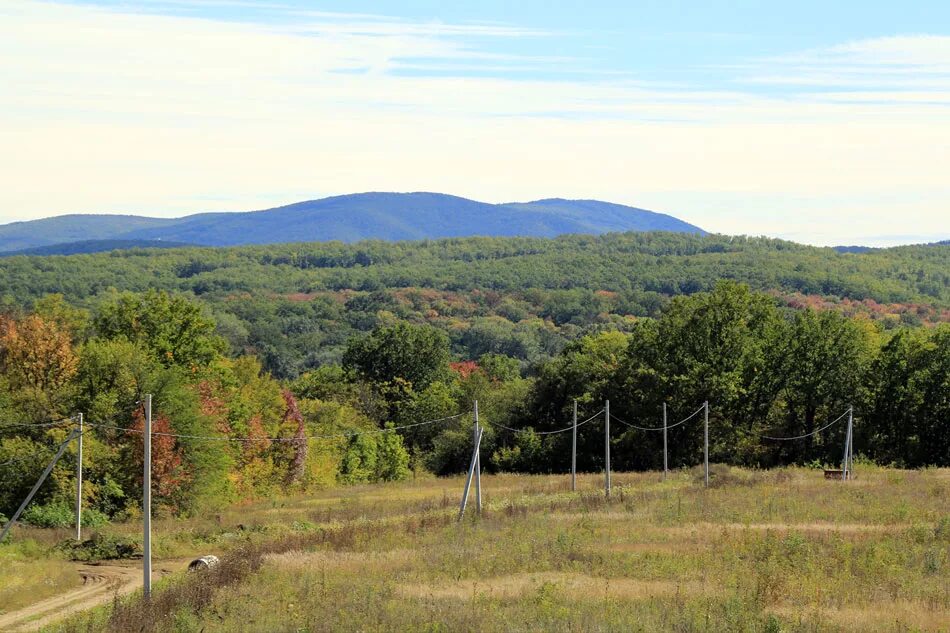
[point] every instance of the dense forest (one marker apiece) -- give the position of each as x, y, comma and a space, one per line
294, 306
323, 359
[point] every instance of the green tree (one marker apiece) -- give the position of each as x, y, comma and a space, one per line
172, 327
415, 354
823, 359
906, 422
711, 346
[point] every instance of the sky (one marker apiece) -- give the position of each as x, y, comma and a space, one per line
820, 122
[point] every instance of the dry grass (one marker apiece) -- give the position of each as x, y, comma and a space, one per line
572, 585
761, 551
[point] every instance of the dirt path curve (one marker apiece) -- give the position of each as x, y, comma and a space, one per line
100, 582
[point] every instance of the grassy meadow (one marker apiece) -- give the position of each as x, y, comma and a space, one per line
777, 550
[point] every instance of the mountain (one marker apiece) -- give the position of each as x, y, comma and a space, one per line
92, 246
349, 218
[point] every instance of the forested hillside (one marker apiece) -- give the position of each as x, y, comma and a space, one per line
295, 305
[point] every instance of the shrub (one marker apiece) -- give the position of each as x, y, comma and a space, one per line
60, 514
101, 547
370, 459
392, 458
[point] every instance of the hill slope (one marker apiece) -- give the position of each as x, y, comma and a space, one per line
295, 305
350, 218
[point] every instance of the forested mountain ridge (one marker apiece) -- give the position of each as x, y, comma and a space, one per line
92, 246
295, 305
350, 218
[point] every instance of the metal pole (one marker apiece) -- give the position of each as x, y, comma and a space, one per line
847, 446
36, 486
607, 448
665, 469
79, 484
478, 464
851, 444
147, 499
471, 471
574, 452
706, 443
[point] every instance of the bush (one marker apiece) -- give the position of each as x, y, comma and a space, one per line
60, 514
392, 458
525, 456
452, 451
371, 459
101, 547
359, 461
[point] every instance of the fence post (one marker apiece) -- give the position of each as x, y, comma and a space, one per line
79, 484
665, 468
471, 472
147, 499
607, 448
706, 443
574, 452
478, 464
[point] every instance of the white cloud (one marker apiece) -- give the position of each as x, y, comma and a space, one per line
899, 62
113, 111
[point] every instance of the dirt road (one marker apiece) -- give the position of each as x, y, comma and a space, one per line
100, 582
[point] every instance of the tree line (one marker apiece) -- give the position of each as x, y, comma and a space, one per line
764, 369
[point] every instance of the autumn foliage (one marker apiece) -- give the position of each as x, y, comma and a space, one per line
168, 472
36, 353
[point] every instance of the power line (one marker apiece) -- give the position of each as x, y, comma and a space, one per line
225, 438
12, 425
564, 430
35, 454
799, 437
659, 428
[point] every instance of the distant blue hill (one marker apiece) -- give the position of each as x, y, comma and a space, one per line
92, 246
349, 218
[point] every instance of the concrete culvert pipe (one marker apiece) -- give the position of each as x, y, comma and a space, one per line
205, 562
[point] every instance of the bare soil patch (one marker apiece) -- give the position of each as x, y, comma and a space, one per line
100, 582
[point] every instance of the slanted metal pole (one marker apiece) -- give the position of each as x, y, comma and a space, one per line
847, 448
79, 484
36, 486
607, 448
664, 443
471, 472
478, 464
574, 452
706, 443
147, 499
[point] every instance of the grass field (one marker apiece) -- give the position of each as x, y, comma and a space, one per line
780, 550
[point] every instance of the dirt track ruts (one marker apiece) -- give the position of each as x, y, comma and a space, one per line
100, 582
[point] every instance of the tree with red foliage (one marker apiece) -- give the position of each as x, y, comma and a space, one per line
168, 471
292, 414
464, 368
